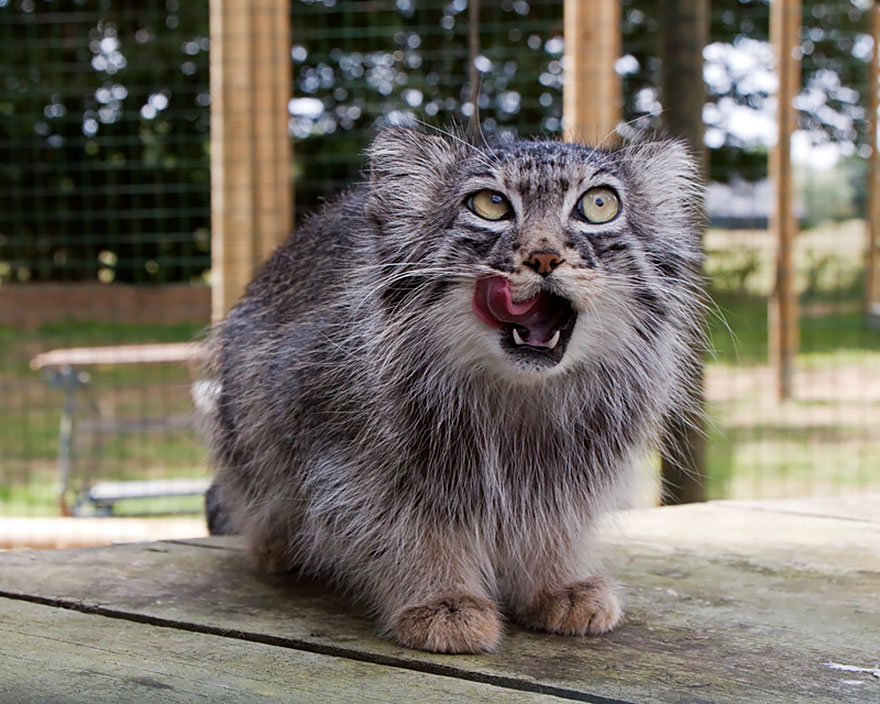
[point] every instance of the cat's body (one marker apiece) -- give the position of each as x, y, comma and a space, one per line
378, 422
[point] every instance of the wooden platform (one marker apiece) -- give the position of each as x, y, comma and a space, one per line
746, 602
51, 533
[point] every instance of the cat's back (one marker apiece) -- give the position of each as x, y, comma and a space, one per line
281, 336
312, 270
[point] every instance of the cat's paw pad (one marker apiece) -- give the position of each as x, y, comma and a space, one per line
450, 624
584, 608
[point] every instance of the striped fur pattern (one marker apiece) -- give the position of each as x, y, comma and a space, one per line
370, 429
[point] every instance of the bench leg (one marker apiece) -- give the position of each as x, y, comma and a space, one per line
68, 380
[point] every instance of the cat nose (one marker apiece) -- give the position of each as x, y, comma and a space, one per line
544, 262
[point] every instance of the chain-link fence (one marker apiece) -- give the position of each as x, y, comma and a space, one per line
105, 205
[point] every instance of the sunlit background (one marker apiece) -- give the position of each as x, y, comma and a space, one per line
105, 229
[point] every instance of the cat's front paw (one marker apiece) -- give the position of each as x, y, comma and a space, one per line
457, 623
583, 608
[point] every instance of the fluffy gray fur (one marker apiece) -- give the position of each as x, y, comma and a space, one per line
369, 428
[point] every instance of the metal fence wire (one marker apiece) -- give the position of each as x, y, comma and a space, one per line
106, 233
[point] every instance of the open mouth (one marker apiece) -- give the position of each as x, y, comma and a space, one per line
538, 328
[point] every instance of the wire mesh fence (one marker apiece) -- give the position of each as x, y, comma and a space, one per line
105, 214
104, 240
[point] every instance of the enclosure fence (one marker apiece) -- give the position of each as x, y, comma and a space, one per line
140, 185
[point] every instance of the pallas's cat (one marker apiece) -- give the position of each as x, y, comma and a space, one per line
431, 390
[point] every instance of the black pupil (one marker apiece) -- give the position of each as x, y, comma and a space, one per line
599, 201
496, 199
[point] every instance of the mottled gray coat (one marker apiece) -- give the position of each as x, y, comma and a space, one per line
368, 427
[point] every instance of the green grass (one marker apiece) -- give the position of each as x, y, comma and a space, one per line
40, 498
827, 439
36, 498
787, 460
31, 410
18, 346
738, 333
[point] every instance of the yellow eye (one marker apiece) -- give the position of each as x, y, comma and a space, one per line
489, 205
599, 205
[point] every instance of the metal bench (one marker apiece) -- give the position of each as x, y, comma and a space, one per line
63, 368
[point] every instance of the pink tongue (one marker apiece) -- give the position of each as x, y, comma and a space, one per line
494, 306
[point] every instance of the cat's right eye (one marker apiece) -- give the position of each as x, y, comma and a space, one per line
489, 205
598, 205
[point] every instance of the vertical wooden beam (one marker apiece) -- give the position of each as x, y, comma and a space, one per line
785, 22
685, 33
251, 195
592, 90
872, 286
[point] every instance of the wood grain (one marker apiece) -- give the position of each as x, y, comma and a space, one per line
712, 616
52, 654
251, 193
592, 92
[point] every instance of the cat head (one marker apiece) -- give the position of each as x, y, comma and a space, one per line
534, 257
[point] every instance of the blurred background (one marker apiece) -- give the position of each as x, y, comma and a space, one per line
106, 216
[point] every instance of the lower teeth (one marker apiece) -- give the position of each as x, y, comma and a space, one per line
550, 344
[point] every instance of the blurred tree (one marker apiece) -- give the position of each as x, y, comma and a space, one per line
104, 130
103, 171
739, 114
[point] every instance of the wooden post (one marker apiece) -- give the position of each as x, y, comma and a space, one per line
872, 286
683, 93
251, 195
785, 21
592, 90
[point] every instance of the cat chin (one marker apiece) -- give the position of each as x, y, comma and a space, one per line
594, 337
501, 360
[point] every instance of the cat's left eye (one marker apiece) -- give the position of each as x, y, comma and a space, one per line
599, 205
489, 205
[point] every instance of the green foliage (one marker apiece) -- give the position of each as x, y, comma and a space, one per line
104, 172
104, 115
363, 66
835, 41
831, 194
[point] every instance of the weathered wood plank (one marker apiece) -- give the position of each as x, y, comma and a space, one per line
844, 537
57, 532
592, 93
251, 194
865, 507
710, 617
50, 654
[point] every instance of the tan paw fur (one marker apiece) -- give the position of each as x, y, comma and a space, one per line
583, 608
450, 624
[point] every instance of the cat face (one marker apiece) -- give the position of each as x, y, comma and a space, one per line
549, 254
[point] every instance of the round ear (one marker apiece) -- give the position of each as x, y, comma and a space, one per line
405, 168
669, 176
